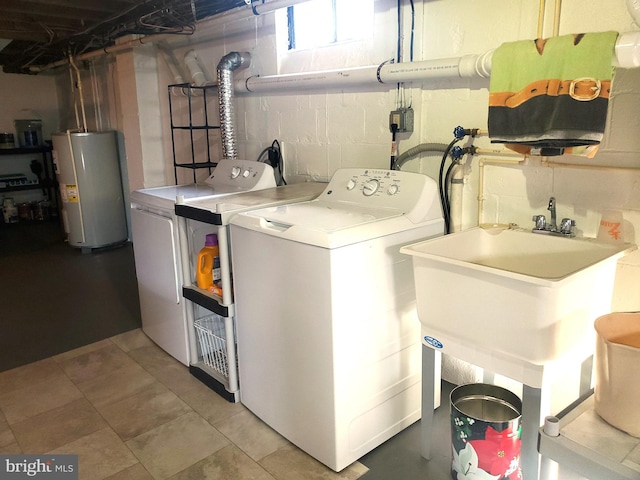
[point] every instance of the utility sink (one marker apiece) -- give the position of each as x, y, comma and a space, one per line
523, 296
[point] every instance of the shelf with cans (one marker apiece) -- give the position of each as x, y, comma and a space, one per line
40, 177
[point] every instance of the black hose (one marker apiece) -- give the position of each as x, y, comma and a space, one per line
447, 181
393, 165
441, 187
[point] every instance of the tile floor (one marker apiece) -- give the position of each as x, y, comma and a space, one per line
130, 411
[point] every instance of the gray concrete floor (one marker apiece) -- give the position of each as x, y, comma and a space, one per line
55, 298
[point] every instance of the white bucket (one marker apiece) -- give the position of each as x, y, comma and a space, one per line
617, 383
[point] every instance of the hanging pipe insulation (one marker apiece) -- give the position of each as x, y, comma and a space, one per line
230, 62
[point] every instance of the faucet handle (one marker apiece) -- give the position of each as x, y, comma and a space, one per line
566, 225
541, 222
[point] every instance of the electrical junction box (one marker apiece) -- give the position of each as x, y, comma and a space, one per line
403, 119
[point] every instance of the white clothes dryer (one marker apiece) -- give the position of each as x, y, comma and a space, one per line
329, 346
156, 247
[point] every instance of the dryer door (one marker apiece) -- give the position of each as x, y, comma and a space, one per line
158, 266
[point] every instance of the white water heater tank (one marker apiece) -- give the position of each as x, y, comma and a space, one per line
88, 172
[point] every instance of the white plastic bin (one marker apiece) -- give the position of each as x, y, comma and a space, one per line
617, 382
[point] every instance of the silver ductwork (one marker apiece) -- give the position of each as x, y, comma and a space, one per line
230, 62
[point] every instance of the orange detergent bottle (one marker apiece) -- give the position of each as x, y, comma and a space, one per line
208, 268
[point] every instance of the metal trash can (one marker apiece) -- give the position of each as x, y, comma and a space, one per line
486, 423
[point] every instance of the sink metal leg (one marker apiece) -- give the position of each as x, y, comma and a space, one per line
586, 371
532, 406
428, 404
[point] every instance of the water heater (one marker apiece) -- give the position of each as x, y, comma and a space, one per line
88, 172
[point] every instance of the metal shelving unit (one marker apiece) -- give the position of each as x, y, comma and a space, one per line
47, 183
192, 94
590, 446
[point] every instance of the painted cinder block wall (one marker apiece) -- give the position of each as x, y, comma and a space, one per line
321, 130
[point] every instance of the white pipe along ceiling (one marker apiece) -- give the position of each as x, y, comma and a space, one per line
627, 55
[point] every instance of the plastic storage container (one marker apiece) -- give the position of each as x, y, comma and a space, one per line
617, 380
29, 133
208, 268
485, 432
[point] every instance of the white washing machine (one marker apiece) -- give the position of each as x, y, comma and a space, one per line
156, 247
329, 347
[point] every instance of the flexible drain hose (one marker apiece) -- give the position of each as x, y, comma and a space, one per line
417, 150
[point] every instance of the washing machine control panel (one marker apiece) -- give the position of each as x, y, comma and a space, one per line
241, 175
388, 189
370, 187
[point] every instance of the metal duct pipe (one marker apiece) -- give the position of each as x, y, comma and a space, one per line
230, 62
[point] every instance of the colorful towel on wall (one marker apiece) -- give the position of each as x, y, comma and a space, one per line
551, 94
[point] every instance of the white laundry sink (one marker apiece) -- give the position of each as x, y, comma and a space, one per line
513, 293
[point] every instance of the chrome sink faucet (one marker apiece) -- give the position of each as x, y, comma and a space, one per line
553, 226
541, 226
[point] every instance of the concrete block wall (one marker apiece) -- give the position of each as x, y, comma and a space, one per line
321, 130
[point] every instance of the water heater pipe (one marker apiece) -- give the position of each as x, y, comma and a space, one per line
80, 93
72, 89
230, 62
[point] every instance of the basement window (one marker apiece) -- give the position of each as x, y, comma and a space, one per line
319, 23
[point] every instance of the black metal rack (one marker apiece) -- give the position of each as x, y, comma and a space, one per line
189, 93
47, 183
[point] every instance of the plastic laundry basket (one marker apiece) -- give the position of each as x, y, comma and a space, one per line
617, 382
486, 422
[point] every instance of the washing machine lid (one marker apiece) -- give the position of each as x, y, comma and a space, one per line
325, 217
219, 210
165, 197
231, 176
327, 225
